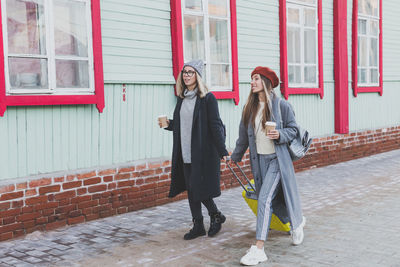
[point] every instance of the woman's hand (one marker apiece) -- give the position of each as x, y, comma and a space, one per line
273, 134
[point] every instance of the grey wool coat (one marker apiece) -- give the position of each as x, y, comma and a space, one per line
287, 132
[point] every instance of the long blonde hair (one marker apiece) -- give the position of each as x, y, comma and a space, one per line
251, 106
201, 86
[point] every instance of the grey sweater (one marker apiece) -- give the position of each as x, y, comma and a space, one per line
186, 115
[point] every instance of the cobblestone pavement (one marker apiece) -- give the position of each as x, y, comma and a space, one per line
353, 219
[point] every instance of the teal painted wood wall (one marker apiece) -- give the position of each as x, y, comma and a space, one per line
137, 51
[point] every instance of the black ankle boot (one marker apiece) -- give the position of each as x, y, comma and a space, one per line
216, 220
196, 231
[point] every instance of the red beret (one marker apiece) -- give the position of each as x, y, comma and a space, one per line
267, 73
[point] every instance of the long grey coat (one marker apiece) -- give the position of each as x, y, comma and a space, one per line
287, 132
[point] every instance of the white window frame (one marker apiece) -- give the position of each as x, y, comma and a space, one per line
206, 17
300, 6
50, 54
369, 36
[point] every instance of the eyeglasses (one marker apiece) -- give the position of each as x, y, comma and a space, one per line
188, 73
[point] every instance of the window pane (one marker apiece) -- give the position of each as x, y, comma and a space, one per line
217, 7
374, 75
294, 74
309, 17
219, 41
220, 75
362, 26
362, 75
310, 47
374, 27
28, 73
70, 30
72, 73
293, 48
310, 74
26, 27
193, 5
368, 7
373, 52
194, 38
293, 16
362, 51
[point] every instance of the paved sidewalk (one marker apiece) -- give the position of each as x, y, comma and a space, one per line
353, 219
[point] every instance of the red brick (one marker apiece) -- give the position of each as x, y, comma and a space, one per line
151, 180
126, 183
97, 188
7, 188
9, 220
86, 175
22, 186
45, 206
64, 202
10, 227
5, 205
91, 181
140, 167
81, 199
76, 220
87, 211
88, 204
28, 216
56, 224
112, 186
75, 213
17, 204
47, 212
147, 173
107, 172
66, 194
154, 165
40, 182
41, 220
107, 213
126, 169
26, 209
107, 179
8, 213
70, 185
6, 236
28, 224
59, 179
65, 209
30, 192
92, 217
35, 200
122, 176
166, 163
14, 195
122, 210
139, 181
70, 178
49, 189
81, 191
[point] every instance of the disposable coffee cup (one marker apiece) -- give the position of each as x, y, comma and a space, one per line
269, 126
163, 120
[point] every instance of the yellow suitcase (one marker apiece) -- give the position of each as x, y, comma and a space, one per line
250, 196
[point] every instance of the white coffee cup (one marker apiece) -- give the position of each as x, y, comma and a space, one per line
270, 126
163, 120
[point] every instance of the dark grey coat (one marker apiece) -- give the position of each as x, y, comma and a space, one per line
208, 147
287, 132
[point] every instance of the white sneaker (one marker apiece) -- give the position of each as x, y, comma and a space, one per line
254, 256
298, 233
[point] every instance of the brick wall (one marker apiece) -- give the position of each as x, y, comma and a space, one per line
55, 201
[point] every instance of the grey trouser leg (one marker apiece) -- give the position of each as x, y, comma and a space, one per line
270, 186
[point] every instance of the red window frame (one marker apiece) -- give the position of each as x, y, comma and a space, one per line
31, 100
177, 48
285, 89
360, 89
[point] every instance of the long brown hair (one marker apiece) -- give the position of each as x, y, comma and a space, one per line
251, 106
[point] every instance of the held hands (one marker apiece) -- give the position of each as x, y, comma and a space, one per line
273, 134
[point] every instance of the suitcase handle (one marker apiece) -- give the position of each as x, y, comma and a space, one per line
238, 179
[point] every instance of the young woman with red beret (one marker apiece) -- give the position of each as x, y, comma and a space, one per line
270, 160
